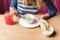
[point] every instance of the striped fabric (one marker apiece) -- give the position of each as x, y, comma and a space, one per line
25, 9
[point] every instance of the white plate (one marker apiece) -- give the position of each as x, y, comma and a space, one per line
25, 24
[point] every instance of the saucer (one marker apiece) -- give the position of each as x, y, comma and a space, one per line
23, 23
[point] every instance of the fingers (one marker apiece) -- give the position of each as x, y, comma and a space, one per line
46, 16
13, 12
42, 17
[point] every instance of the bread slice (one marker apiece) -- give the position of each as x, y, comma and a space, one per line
42, 26
45, 22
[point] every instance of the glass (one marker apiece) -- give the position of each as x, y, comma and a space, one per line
8, 18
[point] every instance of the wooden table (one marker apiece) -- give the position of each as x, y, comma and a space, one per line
17, 32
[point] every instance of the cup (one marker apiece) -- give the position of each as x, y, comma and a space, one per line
8, 18
29, 18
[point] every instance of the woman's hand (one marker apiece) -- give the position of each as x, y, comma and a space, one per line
13, 11
44, 16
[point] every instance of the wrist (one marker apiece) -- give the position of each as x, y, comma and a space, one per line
11, 8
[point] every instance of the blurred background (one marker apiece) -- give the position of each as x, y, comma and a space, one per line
4, 6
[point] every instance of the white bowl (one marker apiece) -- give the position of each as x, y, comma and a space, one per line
23, 23
48, 33
30, 16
